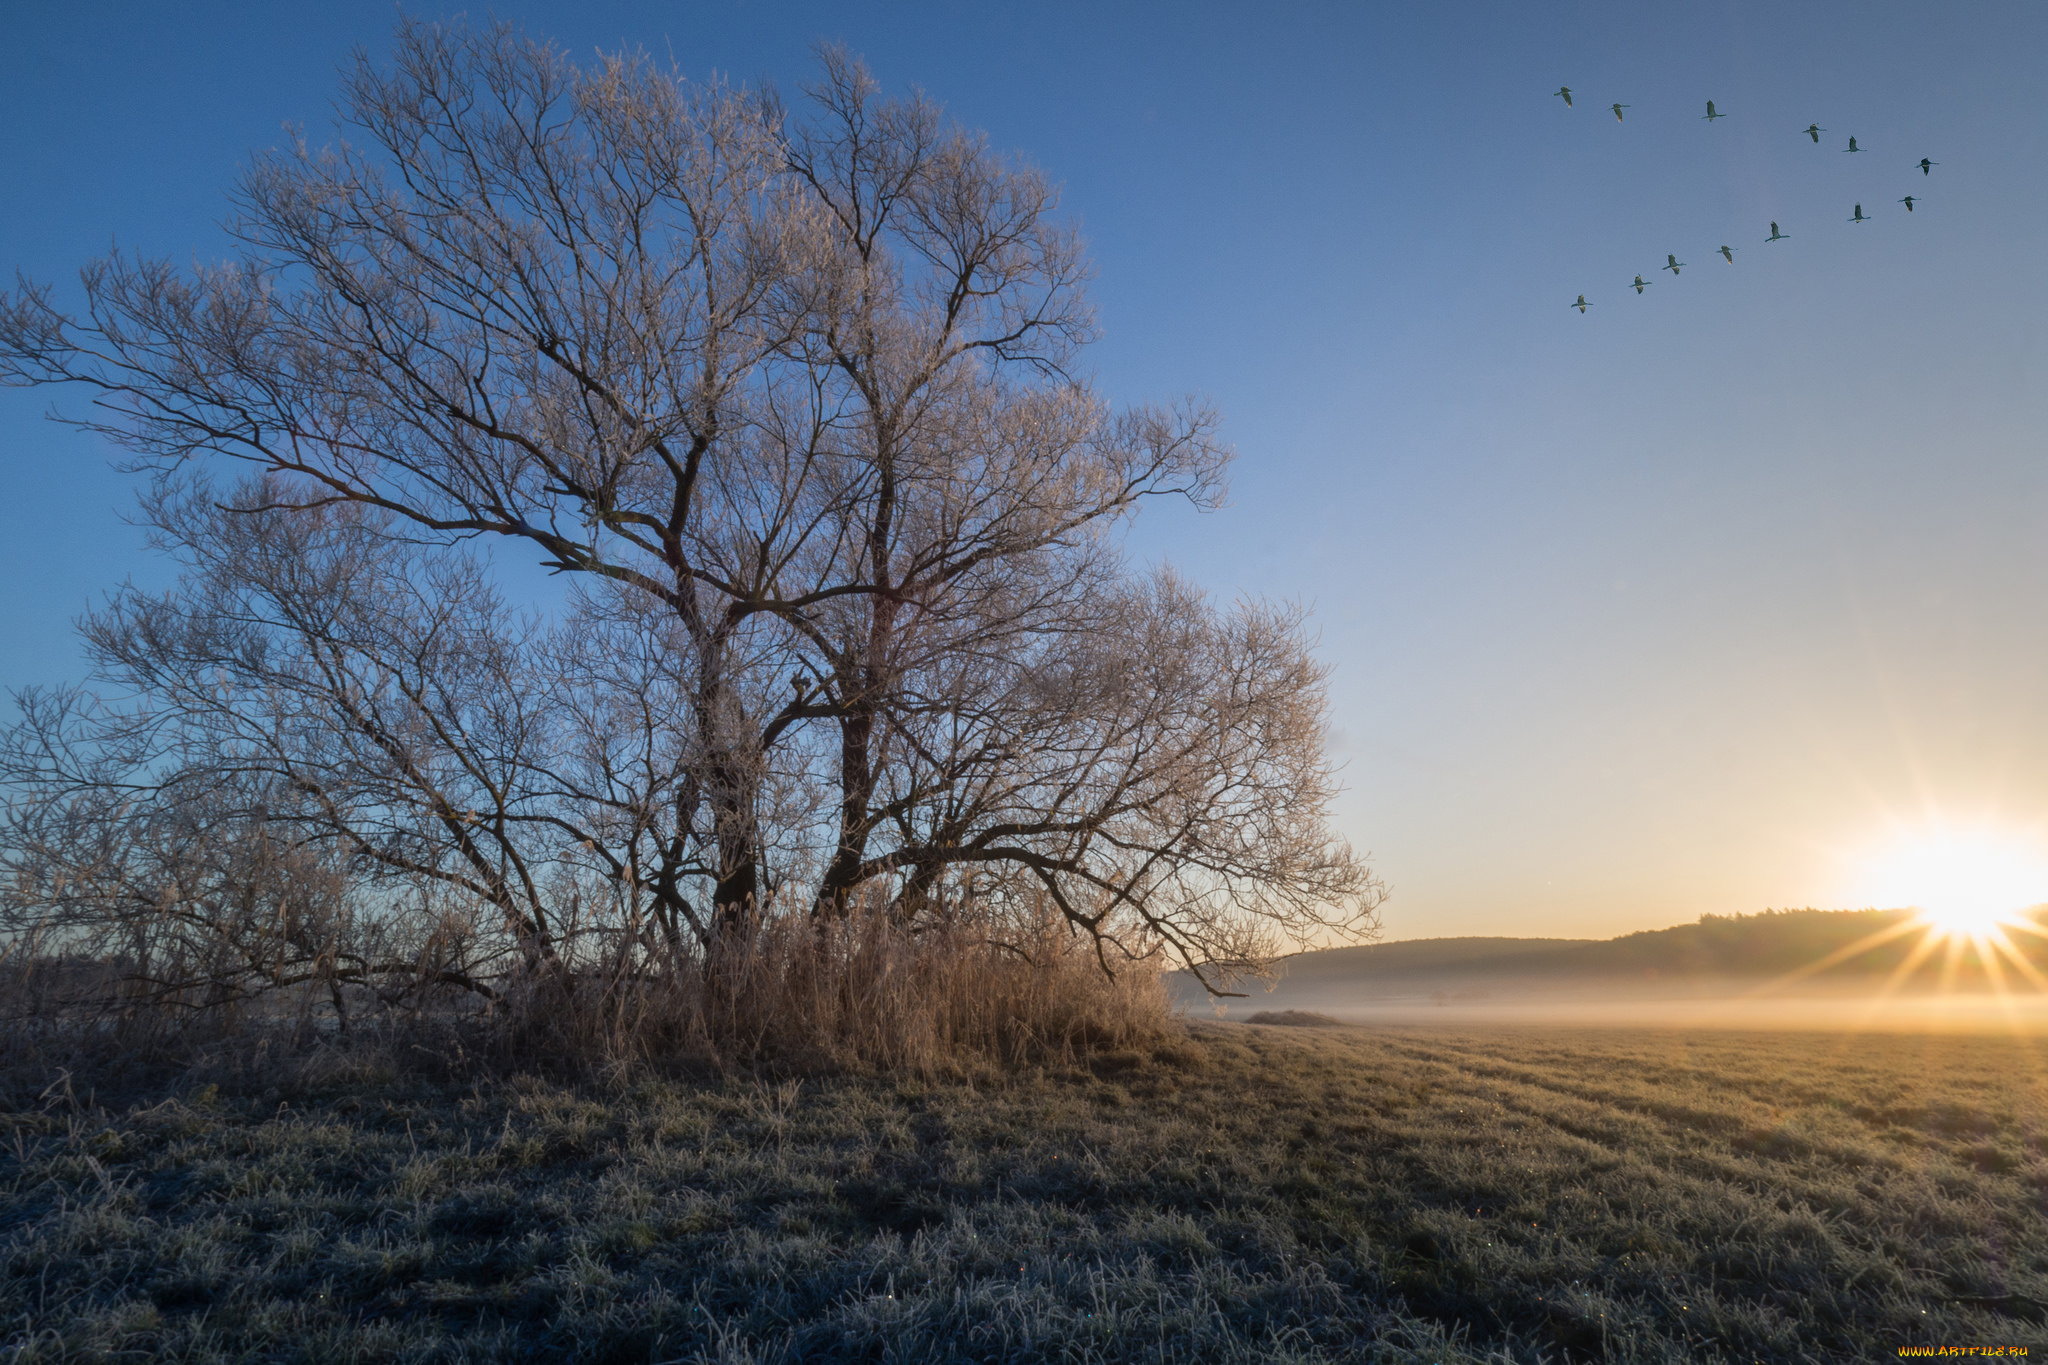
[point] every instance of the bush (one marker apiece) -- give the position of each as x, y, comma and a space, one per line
1295, 1019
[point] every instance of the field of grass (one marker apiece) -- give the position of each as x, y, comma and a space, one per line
1246, 1193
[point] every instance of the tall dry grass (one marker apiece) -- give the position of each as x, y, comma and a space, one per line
862, 994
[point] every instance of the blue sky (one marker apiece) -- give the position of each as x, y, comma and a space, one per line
1685, 605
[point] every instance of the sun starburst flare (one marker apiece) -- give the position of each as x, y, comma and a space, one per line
1969, 885
1971, 892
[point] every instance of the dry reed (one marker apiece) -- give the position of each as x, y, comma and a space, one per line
861, 994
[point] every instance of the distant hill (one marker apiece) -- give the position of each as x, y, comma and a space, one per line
1856, 945
1424, 957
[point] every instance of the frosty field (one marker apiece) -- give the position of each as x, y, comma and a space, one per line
1245, 1192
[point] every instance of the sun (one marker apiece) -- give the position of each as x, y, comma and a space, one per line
1967, 884
1965, 920
1974, 891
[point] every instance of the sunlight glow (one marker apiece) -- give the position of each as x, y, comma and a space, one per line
1965, 884
1978, 896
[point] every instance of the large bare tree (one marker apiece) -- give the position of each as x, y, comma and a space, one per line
794, 394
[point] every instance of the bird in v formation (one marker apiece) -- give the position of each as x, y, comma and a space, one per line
1727, 253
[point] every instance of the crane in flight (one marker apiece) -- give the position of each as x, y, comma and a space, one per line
1581, 305
1852, 147
1728, 253
1710, 115
1641, 284
1925, 163
1859, 218
1813, 130
1618, 108
1673, 264
1908, 202
1777, 236
1564, 92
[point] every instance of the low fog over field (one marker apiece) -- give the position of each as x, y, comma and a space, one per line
1866, 969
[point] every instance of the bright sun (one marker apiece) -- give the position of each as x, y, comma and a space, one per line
1965, 884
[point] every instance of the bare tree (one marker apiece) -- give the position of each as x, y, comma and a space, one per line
323, 729
1165, 770
797, 398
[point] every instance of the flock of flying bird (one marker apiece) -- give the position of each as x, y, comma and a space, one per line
1726, 252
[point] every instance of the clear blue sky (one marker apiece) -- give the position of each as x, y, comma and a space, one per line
1670, 608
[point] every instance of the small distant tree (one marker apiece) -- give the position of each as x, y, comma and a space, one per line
794, 398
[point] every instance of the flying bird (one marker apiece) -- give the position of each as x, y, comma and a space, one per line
1859, 218
1728, 253
1852, 147
1618, 108
1925, 163
1581, 305
1710, 115
1673, 264
1908, 202
1814, 130
1641, 284
1777, 236
1564, 92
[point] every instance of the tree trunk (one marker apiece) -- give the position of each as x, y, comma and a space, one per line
856, 789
